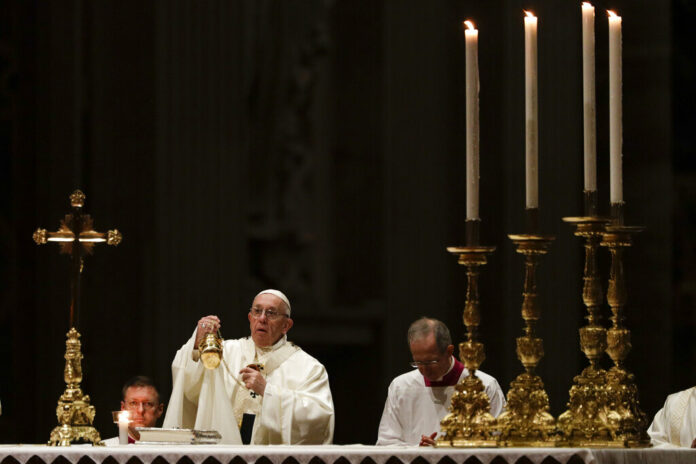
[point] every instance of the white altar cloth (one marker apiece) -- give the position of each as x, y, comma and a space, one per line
329, 454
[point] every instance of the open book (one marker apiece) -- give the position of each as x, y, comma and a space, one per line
159, 436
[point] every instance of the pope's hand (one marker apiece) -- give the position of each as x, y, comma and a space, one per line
428, 440
693, 443
253, 380
207, 324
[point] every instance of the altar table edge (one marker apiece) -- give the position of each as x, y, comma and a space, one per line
330, 454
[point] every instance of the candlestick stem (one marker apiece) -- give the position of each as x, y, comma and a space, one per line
526, 420
627, 419
75, 414
469, 423
585, 422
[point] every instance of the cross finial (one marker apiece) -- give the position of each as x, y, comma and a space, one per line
77, 238
77, 199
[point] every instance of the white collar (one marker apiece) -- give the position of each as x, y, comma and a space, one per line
275, 346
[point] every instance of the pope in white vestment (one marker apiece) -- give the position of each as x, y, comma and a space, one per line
675, 424
418, 400
288, 397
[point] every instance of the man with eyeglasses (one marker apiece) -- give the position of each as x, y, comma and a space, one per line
418, 400
265, 391
141, 399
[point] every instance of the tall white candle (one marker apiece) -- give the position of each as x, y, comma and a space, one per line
123, 419
589, 97
615, 117
472, 122
531, 111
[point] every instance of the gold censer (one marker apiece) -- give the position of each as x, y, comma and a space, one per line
210, 349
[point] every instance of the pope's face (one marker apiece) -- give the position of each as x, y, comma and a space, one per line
266, 331
425, 350
143, 405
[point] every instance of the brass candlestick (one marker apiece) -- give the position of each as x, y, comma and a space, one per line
469, 423
627, 420
526, 420
75, 414
585, 423
77, 238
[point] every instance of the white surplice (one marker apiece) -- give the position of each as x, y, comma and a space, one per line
675, 423
413, 409
296, 408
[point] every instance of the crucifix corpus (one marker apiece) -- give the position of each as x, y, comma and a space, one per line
76, 238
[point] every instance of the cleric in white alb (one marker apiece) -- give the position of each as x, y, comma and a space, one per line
286, 401
675, 423
419, 399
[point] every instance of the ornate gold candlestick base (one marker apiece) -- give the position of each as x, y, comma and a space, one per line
469, 423
585, 423
627, 420
526, 420
74, 412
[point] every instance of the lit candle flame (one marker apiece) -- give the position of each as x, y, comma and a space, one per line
612, 14
124, 417
587, 4
529, 14
470, 25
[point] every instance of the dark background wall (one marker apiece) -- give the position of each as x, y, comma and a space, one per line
318, 147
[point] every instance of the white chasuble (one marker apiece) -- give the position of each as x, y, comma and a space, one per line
414, 408
675, 423
296, 408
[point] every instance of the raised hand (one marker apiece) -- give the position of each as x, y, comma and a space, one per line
207, 324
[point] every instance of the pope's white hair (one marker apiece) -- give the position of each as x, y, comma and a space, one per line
278, 294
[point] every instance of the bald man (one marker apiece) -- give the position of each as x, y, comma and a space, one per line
266, 389
419, 399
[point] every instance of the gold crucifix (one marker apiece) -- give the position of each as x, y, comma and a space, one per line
77, 238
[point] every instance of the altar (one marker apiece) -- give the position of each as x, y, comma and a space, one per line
332, 454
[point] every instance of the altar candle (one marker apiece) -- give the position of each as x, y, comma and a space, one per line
589, 97
472, 122
615, 123
123, 419
531, 111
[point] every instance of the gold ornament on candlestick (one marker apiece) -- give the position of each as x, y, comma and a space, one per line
469, 423
627, 420
526, 420
76, 238
74, 412
585, 423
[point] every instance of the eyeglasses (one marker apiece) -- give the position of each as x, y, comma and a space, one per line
423, 363
271, 314
147, 405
